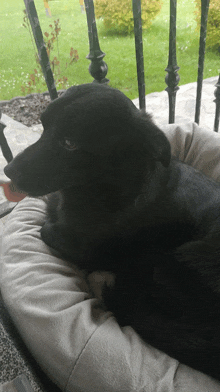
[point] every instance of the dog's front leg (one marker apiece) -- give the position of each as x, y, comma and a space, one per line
57, 238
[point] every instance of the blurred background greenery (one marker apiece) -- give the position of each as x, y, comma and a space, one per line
17, 58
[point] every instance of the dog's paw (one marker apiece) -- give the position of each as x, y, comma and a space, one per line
98, 280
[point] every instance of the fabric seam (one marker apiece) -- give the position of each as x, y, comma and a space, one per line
83, 349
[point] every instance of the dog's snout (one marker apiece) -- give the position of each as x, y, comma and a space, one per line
11, 171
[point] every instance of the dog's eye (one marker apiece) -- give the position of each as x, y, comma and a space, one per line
69, 144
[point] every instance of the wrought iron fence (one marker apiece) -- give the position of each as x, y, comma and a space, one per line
98, 68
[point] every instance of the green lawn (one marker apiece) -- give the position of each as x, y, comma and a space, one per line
17, 54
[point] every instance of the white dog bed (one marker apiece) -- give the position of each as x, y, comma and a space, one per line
78, 345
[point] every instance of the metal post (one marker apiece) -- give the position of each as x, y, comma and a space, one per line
202, 42
172, 78
6, 206
217, 101
98, 68
6, 151
42, 52
139, 52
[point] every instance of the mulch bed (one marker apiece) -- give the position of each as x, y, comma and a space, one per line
27, 110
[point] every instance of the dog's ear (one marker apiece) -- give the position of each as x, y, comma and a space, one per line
155, 141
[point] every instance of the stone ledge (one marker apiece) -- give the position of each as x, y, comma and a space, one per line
157, 104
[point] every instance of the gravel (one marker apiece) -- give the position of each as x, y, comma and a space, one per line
27, 110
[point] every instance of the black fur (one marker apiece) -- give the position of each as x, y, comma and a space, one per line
121, 204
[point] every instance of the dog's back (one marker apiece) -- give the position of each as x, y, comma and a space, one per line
120, 203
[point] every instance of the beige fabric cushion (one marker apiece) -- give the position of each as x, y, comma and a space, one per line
79, 346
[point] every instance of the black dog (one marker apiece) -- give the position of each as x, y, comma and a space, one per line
121, 204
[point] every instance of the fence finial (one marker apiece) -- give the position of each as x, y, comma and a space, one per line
98, 68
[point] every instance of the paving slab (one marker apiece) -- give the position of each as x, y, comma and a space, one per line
157, 104
19, 136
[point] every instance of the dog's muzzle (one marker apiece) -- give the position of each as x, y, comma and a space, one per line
12, 173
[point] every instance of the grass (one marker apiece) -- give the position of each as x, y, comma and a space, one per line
19, 59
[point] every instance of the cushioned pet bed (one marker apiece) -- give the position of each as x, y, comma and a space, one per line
78, 345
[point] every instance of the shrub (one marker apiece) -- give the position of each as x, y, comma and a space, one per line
118, 16
213, 25
49, 39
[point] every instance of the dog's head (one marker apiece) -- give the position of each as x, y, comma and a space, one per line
90, 132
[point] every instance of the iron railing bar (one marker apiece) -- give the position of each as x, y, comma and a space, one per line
6, 151
42, 52
172, 78
139, 52
98, 68
202, 43
7, 206
217, 102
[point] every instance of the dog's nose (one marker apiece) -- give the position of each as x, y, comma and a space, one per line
7, 170
11, 171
